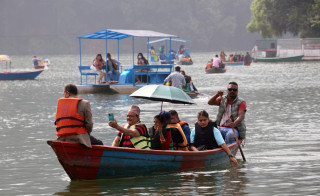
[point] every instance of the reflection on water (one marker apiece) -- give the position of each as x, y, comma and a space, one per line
282, 147
217, 182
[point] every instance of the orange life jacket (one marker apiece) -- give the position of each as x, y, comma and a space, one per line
68, 120
179, 146
182, 123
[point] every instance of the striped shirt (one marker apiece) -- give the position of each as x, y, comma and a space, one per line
126, 142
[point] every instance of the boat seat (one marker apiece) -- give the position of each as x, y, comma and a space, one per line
86, 71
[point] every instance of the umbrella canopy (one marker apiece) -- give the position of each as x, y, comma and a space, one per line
163, 93
4, 58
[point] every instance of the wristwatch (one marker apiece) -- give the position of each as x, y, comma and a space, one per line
231, 155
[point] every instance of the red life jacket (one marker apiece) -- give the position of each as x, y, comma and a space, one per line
68, 120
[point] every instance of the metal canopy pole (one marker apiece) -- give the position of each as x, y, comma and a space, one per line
148, 50
118, 48
133, 78
106, 43
80, 50
132, 50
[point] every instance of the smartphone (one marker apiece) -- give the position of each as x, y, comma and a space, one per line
110, 116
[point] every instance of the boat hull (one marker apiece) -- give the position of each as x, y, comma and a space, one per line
28, 75
215, 70
103, 162
280, 59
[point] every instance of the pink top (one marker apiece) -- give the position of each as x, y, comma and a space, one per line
216, 62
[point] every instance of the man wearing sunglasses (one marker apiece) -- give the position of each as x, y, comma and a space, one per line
231, 113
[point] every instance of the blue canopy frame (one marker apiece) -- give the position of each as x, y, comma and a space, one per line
119, 34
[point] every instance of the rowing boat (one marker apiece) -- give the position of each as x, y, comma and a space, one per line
104, 162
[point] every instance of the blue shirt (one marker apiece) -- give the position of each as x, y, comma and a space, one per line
216, 133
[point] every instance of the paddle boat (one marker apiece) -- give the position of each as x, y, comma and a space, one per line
43, 64
179, 54
154, 73
104, 162
22, 75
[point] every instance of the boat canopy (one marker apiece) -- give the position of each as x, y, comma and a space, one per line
118, 34
166, 39
122, 34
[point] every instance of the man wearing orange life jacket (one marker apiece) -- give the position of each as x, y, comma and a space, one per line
74, 118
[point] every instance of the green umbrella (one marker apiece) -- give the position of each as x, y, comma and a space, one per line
163, 93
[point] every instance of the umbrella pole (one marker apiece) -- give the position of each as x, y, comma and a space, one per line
161, 106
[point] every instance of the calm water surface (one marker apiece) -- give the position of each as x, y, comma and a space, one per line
282, 147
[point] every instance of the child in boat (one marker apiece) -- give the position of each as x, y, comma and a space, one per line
205, 136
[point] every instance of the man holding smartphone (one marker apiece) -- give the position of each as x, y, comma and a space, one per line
134, 134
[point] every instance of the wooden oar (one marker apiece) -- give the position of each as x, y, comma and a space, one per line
234, 133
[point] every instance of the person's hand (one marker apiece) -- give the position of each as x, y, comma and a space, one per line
113, 123
233, 160
219, 93
232, 124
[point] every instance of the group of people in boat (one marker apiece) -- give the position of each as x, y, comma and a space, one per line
182, 56
74, 124
112, 66
179, 79
218, 62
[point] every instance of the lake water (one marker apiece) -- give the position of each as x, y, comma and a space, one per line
282, 146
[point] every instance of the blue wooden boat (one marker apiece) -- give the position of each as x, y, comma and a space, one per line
26, 75
103, 162
233, 63
8, 75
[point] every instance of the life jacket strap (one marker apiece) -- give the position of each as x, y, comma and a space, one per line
58, 128
70, 117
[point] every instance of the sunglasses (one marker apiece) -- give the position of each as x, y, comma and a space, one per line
232, 89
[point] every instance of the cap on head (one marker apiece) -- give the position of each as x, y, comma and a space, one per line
34, 55
135, 109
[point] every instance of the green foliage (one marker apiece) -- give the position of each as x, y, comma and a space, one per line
276, 18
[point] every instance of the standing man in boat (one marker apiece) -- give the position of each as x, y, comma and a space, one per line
233, 116
35, 61
134, 134
74, 118
176, 79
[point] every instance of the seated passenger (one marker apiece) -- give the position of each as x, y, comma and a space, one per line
97, 64
180, 141
153, 54
160, 135
189, 84
181, 49
209, 64
184, 125
134, 134
231, 58
141, 61
113, 67
205, 136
